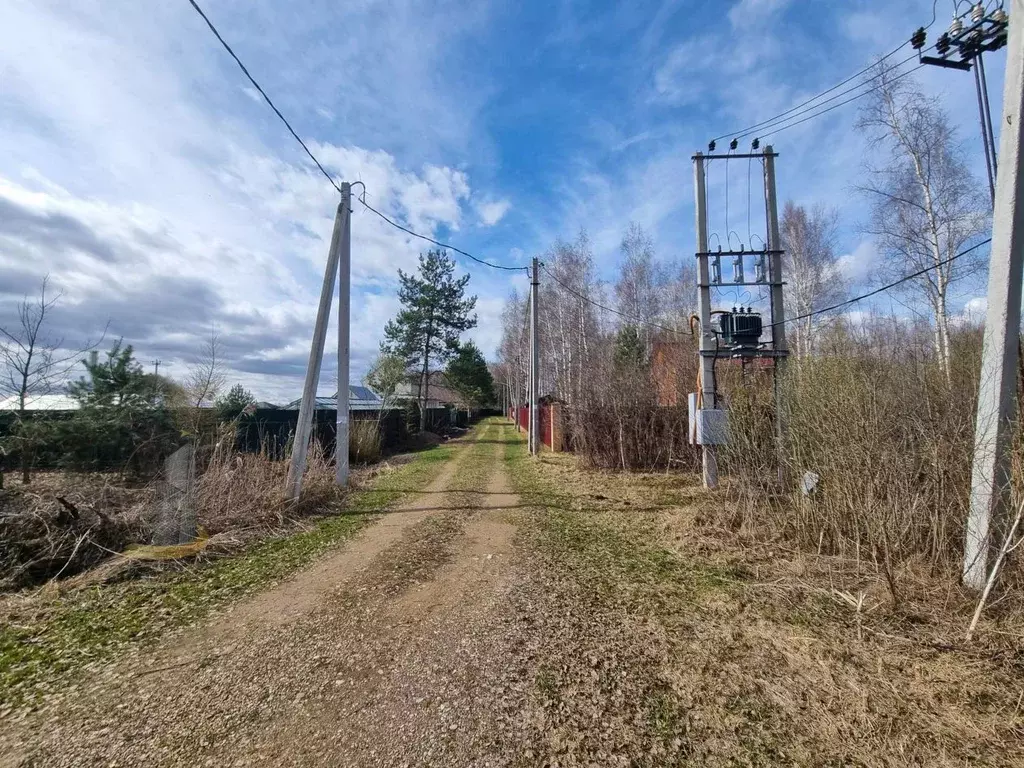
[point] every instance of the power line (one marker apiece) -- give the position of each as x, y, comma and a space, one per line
891, 285
313, 157
438, 242
602, 306
841, 304
750, 129
840, 104
772, 127
263, 93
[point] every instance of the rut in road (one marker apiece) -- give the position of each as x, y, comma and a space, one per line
391, 651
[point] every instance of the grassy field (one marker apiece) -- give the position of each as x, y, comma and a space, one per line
676, 642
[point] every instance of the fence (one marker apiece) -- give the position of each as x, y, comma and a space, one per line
271, 429
552, 424
109, 444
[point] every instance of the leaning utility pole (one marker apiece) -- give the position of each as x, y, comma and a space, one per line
534, 363
997, 394
708, 342
303, 428
778, 311
344, 297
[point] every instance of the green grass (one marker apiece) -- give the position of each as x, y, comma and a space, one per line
64, 633
607, 547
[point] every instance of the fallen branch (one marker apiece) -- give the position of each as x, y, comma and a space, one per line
1007, 547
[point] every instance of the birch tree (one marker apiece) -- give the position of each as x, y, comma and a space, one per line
926, 205
813, 280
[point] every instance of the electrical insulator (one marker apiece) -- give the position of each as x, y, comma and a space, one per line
716, 270
734, 143
759, 269
737, 269
942, 44
977, 12
918, 38
999, 16
755, 144
711, 146
956, 28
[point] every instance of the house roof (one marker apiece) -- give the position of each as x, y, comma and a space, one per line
40, 403
359, 399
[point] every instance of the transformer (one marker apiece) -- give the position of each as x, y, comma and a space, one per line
740, 330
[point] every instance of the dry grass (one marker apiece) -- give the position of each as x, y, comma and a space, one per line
716, 647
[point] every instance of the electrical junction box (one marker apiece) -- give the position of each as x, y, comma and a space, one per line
708, 426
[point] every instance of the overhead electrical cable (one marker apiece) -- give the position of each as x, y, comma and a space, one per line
811, 102
884, 288
832, 308
313, 157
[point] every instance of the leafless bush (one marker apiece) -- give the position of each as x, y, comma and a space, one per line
364, 440
877, 453
239, 491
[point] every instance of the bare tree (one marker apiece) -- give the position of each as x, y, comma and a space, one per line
34, 363
927, 206
637, 289
679, 294
206, 375
813, 280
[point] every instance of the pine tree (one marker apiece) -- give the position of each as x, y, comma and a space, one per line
468, 374
434, 313
237, 400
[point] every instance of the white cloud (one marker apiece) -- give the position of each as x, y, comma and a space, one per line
857, 265
491, 212
133, 181
751, 13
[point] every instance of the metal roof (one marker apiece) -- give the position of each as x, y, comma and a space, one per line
359, 399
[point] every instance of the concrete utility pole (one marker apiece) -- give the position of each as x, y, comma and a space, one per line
778, 311
300, 444
534, 362
997, 394
344, 312
708, 342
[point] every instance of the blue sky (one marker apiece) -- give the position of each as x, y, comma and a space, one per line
141, 171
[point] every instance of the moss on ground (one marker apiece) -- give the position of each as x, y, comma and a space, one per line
54, 635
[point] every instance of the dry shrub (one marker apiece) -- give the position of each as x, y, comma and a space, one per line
65, 523
364, 440
242, 491
633, 416
888, 438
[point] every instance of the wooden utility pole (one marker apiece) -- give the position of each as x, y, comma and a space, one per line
534, 363
778, 310
303, 428
997, 393
344, 313
708, 342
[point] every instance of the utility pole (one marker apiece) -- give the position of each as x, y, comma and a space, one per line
997, 394
778, 313
534, 363
344, 295
708, 342
300, 443
156, 367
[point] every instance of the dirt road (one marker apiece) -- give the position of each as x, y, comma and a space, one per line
387, 652
524, 613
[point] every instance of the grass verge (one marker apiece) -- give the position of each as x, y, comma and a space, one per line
48, 636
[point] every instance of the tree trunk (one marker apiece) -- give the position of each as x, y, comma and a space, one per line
424, 391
